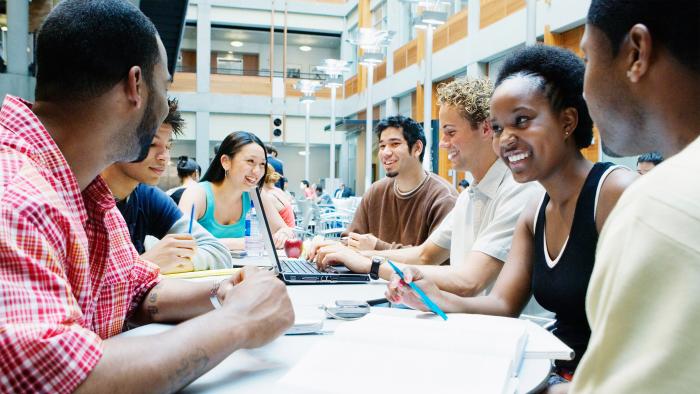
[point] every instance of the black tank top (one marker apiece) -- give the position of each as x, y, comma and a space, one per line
562, 289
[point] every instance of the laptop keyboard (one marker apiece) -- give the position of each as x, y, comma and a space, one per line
299, 266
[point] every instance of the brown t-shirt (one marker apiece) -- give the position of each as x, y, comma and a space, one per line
403, 221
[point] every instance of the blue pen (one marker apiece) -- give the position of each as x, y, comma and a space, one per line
428, 302
189, 231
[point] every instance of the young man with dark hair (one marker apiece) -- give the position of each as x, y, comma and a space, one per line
147, 210
402, 209
647, 161
70, 277
642, 81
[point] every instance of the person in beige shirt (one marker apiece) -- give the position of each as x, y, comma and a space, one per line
642, 304
477, 234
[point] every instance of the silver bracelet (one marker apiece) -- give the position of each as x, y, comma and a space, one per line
215, 301
213, 295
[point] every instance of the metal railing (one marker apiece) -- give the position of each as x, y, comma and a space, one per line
291, 73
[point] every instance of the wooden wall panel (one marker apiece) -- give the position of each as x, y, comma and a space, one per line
379, 72
441, 37
351, 86
494, 10
184, 82
513, 6
236, 84
412, 53
571, 40
399, 60
459, 26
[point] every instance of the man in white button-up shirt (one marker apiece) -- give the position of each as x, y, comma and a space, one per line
476, 235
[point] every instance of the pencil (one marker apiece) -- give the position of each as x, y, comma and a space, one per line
189, 231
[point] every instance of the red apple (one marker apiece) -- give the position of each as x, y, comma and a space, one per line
292, 248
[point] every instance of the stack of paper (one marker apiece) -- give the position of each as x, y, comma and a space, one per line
412, 354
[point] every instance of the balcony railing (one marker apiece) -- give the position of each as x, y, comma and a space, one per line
292, 73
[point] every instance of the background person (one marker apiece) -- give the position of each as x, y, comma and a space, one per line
306, 191
405, 207
647, 161
188, 171
278, 198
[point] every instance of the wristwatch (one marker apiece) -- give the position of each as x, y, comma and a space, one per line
374, 270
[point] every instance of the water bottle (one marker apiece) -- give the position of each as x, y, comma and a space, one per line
254, 245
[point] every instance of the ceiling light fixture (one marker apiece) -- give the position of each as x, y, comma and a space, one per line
304, 48
236, 44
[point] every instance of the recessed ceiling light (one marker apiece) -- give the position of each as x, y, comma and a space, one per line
302, 153
230, 52
236, 44
304, 48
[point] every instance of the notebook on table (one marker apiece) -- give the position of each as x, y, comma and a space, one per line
299, 271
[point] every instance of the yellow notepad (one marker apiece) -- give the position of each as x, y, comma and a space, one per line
204, 274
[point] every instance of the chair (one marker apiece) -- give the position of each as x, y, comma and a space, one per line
332, 225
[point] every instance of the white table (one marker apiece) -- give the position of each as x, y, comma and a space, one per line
258, 370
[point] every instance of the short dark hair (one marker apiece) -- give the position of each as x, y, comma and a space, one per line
186, 167
673, 25
464, 183
650, 157
174, 118
319, 188
412, 131
305, 182
85, 47
230, 146
561, 75
270, 149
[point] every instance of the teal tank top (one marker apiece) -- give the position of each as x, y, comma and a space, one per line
235, 230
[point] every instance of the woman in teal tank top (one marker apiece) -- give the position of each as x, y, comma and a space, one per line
221, 201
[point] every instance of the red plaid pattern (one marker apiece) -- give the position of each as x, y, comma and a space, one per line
69, 275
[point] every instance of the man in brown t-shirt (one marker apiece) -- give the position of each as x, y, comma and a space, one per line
405, 207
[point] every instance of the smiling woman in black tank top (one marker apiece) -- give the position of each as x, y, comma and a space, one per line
540, 124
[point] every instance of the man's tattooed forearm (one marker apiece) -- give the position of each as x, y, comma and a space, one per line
151, 301
191, 367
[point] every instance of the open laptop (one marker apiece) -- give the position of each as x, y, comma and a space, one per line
298, 271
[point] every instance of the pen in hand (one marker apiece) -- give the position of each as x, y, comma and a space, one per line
189, 231
427, 301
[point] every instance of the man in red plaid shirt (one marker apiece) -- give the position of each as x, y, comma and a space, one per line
69, 275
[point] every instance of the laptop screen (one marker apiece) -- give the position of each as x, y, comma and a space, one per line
263, 224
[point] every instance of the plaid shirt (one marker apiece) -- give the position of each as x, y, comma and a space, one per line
69, 275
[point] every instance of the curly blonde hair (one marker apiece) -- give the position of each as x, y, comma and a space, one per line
470, 96
271, 176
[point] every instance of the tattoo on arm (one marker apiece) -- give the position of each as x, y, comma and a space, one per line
191, 367
151, 301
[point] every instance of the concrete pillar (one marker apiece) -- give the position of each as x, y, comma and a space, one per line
201, 149
203, 45
394, 21
391, 107
17, 81
531, 24
17, 37
476, 70
203, 81
474, 17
